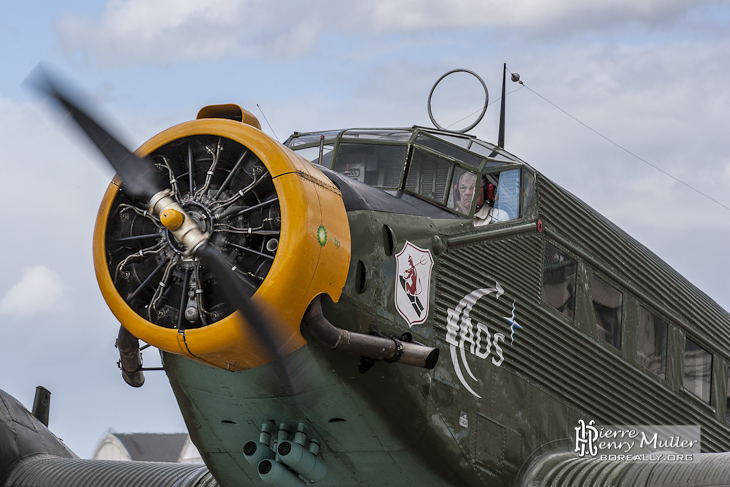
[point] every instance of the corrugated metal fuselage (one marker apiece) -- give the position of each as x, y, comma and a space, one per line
514, 375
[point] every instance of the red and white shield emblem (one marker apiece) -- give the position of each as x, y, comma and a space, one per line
413, 283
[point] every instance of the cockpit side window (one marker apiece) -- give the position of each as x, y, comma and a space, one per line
430, 176
498, 199
497, 195
507, 199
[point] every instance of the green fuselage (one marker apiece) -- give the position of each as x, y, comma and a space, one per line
514, 376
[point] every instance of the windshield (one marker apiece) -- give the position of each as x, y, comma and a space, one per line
376, 165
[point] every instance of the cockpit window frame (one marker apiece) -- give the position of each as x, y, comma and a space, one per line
362, 135
497, 161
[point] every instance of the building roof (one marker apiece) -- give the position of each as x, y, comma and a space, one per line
153, 447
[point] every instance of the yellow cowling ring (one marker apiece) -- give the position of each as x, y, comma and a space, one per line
312, 258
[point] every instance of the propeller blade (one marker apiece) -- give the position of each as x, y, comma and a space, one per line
139, 177
239, 295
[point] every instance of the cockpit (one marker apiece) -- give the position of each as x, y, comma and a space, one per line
456, 172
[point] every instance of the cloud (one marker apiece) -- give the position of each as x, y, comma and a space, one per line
39, 291
157, 30
521, 14
169, 31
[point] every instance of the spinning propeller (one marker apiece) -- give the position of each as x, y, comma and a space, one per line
312, 248
141, 181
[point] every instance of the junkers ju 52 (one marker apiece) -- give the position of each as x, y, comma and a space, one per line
390, 306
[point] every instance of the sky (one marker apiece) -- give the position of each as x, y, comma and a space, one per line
617, 94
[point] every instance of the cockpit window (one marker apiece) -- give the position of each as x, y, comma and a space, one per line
373, 164
507, 199
454, 171
297, 140
393, 134
449, 150
498, 197
430, 176
490, 151
459, 140
312, 154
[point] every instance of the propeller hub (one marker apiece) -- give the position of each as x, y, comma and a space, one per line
195, 212
172, 219
188, 233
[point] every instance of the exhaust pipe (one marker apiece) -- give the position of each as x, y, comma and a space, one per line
42, 405
256, 451
130, 358
274, 473
303, 462
374, 347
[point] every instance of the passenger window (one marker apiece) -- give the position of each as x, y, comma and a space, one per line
558, 280
697, 370
727, 410
607, 307
651, 347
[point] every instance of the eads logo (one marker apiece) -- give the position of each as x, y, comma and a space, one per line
476, 339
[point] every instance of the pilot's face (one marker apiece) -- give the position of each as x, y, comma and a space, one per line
466, 187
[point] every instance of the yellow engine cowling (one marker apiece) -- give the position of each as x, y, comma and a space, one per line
311, 254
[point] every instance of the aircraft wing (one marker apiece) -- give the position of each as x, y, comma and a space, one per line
30, 455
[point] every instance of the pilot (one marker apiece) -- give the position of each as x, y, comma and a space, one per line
464, 192
485, 212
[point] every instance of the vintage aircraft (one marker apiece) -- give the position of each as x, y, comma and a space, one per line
399, 306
